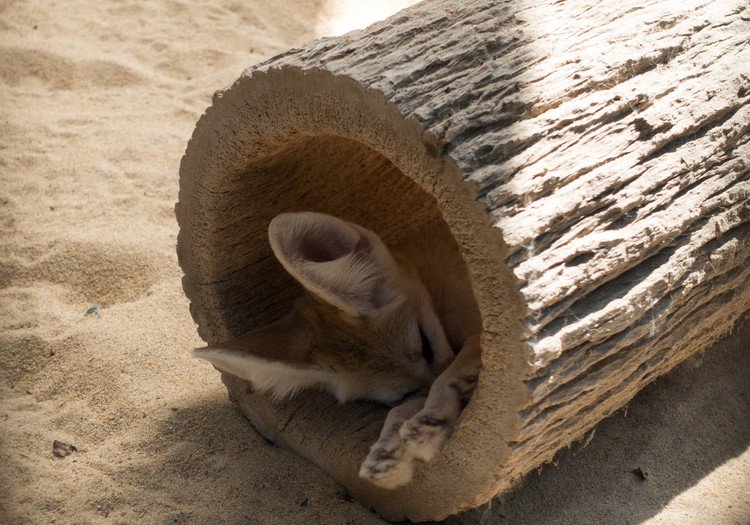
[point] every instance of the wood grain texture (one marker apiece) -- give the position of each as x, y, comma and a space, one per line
609, 143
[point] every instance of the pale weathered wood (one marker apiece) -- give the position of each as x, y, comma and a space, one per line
608, 143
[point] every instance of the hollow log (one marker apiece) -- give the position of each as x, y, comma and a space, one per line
592, 163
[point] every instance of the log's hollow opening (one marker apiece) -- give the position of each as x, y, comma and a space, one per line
286, 140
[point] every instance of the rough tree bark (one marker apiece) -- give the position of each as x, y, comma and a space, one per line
609, 145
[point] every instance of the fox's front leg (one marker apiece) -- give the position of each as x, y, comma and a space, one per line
388, 464
425, 433
418, 428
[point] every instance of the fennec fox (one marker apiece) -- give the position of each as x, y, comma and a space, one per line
374, 324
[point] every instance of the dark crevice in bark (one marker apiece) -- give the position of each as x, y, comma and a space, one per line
698, 130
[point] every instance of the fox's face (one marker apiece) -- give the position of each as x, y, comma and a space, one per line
366, 329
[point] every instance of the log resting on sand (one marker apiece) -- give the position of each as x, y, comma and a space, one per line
590, 162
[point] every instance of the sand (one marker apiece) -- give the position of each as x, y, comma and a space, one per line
98, 102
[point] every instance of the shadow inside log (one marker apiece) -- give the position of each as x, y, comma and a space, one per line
672, 434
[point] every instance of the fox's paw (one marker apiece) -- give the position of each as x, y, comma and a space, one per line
425, 433
387, 465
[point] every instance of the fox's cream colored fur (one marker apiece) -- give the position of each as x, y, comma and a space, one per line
375, 323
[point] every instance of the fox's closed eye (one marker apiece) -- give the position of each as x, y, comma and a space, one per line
427, 352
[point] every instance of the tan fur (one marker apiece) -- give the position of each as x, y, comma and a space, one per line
357, 332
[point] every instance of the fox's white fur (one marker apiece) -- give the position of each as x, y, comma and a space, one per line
375, 324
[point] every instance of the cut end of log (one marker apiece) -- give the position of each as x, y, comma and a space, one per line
290, 140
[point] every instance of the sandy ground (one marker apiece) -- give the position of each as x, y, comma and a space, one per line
98, 102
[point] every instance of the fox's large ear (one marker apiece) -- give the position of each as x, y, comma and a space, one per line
344, 264
274, 358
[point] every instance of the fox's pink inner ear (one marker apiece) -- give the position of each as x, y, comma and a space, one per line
345, 265
299, 239
329, 243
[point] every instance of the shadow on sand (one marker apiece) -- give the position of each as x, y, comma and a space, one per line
206, 454
677, 430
